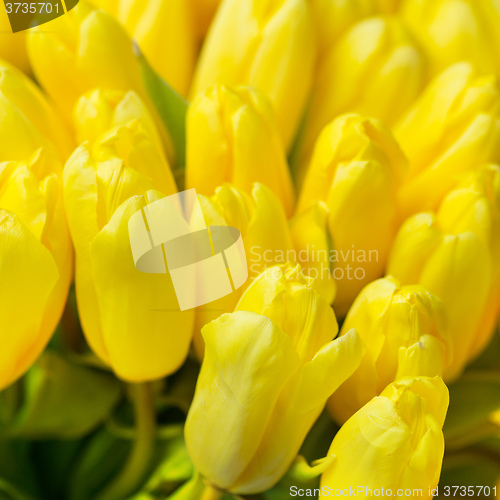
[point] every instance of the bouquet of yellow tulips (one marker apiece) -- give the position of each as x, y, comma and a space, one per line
249, 249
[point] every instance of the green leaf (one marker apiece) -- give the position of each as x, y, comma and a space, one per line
476, 465
171, 107
62, 400
319, 438
176, 465
10, 492
488, 360
18, 479
473, 398
180, 388
173, 472
102, 457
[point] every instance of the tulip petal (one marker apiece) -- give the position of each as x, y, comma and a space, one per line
234, 399
28, 274
145, 333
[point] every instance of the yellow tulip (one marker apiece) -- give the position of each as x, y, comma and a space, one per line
232, 136
451, 31
27, 122
84, 49
118, 124
374, 69
356, 170
36, 262
475, 206
13, 45
269, 45
403, 329
165, 32
122, 310
262, 222
264, 381
452, 128
99, 110
395, 442
454, 253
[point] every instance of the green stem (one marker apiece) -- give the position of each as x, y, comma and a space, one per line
211, 493
139, 460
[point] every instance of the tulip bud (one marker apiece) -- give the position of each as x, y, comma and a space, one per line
268, 45
262, 222
280, 293
84, 49
28, 122
395, 442
403, 329
356, 170
450, 31
117, 124
452, 128
264, 381
100, 110
377, 50
165, 32
70, 60
232, 137
454, 254
475, 206
36, 262
122, 310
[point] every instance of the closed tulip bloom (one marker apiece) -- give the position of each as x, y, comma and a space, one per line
118, 124
451, 31
264, 381
269, 45
165, 32
395, 442
122, 310
99, 110
454, 253
84, 49
451, 129
260, 218
475, 206
232, 136
28, 122
356, 170
280, 293
36, 262
403, 329
376, 50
